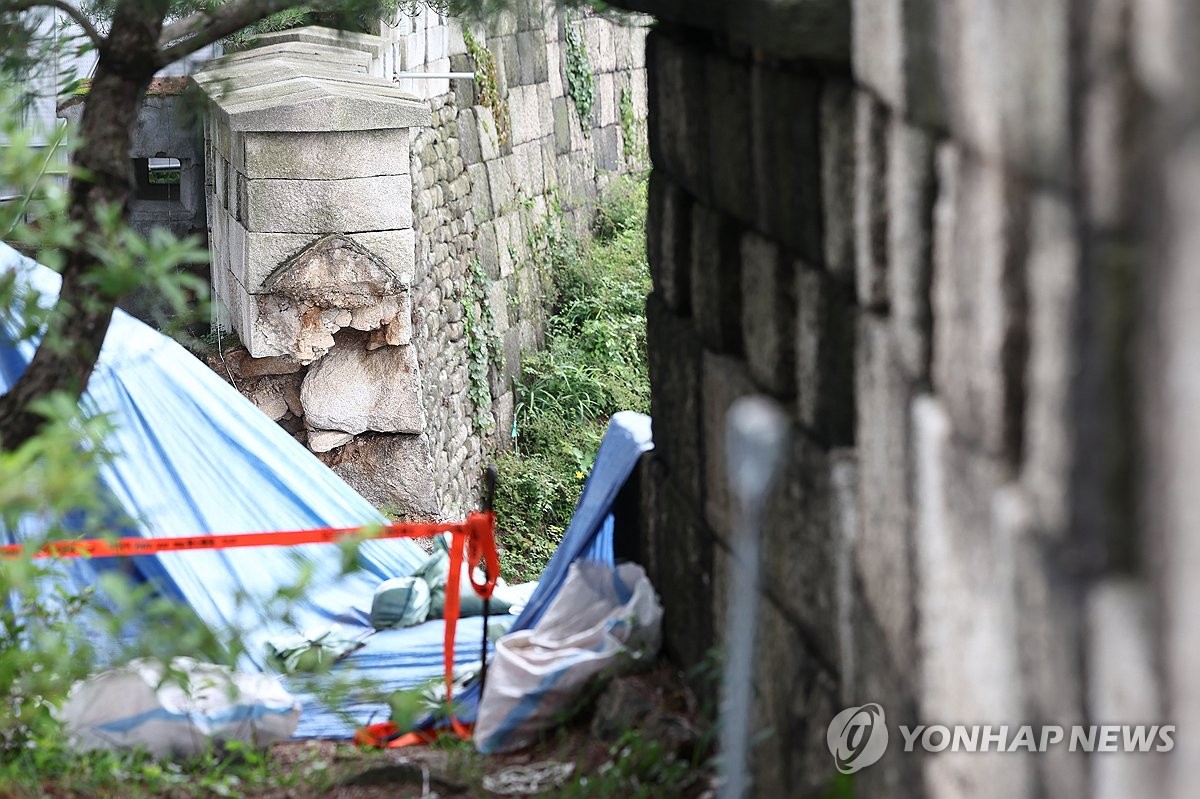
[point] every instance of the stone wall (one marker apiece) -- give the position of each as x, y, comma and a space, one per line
1145, 98
496, 165
481, 199
920, 226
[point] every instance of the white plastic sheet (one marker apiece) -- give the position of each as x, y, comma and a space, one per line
178, 712
604, 620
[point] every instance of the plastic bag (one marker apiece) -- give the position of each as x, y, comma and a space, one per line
179, 713
603, 621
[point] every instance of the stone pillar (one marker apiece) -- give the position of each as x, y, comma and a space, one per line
310, 207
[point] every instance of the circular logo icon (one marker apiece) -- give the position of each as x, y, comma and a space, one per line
857, 737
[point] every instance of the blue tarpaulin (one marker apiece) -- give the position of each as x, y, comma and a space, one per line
194, 456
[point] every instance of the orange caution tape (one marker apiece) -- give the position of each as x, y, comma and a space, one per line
132, 547
480, 546
388, 736
473, 539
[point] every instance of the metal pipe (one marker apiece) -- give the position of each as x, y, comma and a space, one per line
433, 75
756, 435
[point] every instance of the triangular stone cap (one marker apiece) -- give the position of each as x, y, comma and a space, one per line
278, 89
218, 78
318, 34
335, 272
325, 52
229, 85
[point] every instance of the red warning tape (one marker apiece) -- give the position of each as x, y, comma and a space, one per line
131, 547
474, 544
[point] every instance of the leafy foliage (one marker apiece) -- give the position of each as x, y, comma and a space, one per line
487, 86
281, 21
32, 170
640, 768
50, 477
593, 365
483, 346
631, 129
37, 220
29, 56
581, 83
360, 16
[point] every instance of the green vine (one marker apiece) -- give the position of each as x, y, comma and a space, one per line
486, 84
629, 126
581, 85
483, 346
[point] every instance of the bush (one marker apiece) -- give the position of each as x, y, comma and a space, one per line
593, 364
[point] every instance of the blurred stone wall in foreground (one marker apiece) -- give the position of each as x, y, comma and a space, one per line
958, 242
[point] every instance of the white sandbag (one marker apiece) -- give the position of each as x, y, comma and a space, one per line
400, 602
436, 572
140, 707
314, 650
603, 621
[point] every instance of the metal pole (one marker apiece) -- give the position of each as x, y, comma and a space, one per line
756, 435
489, 506
434, 75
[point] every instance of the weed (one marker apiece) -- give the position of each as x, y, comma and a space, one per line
841, 786
581, 84
640, 768
592, 365
704, 677
484, 348
623, 208
513, 300
236, 769
631, 128
486, 84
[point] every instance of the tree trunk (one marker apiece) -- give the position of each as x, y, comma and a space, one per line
67, 355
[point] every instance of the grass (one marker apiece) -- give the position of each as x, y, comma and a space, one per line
240, 770
167, 177
592, 365
638, 767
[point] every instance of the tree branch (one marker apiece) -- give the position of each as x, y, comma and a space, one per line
63, 6
205, 27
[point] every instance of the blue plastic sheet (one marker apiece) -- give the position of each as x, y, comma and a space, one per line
589, 536
194, 456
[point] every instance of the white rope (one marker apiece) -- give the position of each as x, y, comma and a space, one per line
531, 779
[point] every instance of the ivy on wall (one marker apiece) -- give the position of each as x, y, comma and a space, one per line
483, 347
487, 88
629, 126
581, 84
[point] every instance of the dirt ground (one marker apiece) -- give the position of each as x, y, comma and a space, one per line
663, 715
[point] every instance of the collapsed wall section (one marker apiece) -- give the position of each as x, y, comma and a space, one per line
311, 227
346, 247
